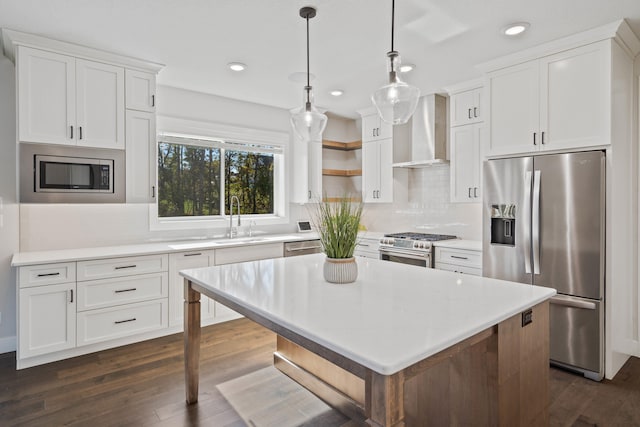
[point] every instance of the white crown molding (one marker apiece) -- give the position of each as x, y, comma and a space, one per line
367, 111
464, 86
618, 30
12, 39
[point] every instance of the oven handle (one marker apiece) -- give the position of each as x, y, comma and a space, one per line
406, 254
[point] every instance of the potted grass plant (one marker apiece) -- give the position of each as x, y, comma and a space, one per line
337, 224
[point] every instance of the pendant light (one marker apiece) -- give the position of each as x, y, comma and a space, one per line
396, 101
308, 122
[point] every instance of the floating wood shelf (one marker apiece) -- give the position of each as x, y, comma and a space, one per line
344, 146
342, 172
340, 199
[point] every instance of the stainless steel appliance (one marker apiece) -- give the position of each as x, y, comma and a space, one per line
59, 174
410, 248
544, 225
302, 247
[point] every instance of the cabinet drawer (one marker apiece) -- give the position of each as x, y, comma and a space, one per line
459, 257
109, 323
117, 267
122, 290
47, 274
459, 269
248, 253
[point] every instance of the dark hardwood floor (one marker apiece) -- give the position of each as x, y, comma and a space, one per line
143, 385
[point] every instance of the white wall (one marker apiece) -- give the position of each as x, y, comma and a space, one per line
9, 209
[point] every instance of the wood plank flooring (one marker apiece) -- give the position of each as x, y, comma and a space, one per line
143, 385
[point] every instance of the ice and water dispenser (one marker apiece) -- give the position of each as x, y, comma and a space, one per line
503, 224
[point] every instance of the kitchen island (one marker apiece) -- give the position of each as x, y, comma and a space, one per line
400, 346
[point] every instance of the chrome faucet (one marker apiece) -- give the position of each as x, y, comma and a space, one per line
233, 232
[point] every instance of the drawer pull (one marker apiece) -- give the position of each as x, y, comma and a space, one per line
459, 257
117, 322
195, 254
125, 266
125, 290
49, 274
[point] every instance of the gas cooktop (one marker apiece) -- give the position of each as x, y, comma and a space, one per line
420, 236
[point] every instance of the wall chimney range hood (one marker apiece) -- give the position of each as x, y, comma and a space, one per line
428, 133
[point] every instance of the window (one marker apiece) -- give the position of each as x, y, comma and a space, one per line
198, 176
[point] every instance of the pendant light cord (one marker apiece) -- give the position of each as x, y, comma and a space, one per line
393, 11
308, 55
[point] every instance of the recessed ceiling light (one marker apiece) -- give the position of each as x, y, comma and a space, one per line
337, 92
515, 28
405, 68
237, 66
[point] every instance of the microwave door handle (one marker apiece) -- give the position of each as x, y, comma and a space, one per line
535, 224
526, 216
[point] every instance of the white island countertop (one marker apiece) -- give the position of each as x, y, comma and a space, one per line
393, 316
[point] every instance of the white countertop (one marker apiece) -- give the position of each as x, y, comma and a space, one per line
393, 316
81, 254
472, 245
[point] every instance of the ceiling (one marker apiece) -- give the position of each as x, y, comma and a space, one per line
348, 39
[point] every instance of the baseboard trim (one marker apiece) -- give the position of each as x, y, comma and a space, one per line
7, 344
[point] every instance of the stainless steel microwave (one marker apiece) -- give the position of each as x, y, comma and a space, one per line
52, 174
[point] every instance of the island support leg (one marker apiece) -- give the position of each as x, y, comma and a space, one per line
191, 341
384, 400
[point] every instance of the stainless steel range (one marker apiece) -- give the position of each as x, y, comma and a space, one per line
410, 248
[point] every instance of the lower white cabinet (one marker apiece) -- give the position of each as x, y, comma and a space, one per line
102, 293
105, 324
459, 260
367, 247
182, 261
47, 319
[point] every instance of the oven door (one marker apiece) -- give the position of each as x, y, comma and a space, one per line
406, 256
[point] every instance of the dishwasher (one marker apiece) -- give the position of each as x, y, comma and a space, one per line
302, 247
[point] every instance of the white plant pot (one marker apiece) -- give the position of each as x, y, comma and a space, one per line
340, 270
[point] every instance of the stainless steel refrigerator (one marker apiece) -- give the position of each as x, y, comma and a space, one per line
544, 224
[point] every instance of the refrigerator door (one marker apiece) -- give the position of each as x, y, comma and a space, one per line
568, 228
575, 339
507, 219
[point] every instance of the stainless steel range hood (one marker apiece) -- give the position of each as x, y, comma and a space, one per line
428, 133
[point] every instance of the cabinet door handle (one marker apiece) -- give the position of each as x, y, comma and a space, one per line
71, 302
459, 257
125, 266
475, 191
71, 132
153, 100
48, 274
117, 322
119, 291
534, 139
80, 132
475, 111
194, 254
542, 138
153, 191
309, 194
469, 112
469, 192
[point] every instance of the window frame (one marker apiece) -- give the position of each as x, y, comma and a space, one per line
216, 132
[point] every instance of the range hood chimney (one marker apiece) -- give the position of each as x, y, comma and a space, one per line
428, 133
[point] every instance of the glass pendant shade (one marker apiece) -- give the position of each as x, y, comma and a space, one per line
397, 101
307, 122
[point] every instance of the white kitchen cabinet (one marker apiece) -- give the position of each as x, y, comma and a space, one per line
377, 171
374, 128
367, 247
181, 261
465, 107
141, 157
556, 102
464, 261
466, 163
140, 90
306, 185
64, 100
46, 319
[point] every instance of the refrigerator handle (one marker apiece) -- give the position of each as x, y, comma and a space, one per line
527, 220
572, 302
535, 224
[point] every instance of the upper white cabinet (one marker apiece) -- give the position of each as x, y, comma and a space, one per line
141, 156
466, 163
465, 107
556, 102
306, 185
140, 90
377, 171
64, 100
374, 128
